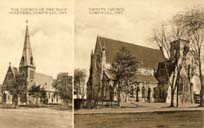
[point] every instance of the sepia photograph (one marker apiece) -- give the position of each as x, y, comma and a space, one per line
36, 65
138, 64
109, 64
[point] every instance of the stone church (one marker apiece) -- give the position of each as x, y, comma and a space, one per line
27, 70
100, 85
154, 76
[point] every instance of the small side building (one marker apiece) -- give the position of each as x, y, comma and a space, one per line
179, 66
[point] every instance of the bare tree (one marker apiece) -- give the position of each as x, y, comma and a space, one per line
197, 40
162, 38
63, 85
192, 21
79, 82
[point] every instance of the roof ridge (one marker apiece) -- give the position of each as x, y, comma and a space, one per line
44, 74
127, 43
149, 56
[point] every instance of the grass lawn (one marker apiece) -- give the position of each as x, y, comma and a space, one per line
183, 119
35, 118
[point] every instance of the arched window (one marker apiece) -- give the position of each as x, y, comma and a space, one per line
149, 94
137, 93
143, 92
22, 59
31, 60
98, 62
4, 97
23, 74
131, 91
180, 86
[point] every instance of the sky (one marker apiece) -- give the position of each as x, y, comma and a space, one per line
51, 36
63, 42
134, 25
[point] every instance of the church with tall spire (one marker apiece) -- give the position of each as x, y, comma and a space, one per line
27, 66
26, 72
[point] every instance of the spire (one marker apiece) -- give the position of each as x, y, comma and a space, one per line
27, 57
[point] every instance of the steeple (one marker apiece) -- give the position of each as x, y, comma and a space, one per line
27, 57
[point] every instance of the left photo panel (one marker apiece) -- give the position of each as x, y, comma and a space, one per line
36, 65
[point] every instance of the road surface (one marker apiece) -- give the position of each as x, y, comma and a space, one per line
35, 118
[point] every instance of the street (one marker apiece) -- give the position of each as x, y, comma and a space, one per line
179, 119
35, 118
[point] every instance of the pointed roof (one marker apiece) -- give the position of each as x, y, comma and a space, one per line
148, 57
13, 70
44, 81
27, 57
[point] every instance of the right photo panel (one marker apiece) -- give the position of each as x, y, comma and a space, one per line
139, 64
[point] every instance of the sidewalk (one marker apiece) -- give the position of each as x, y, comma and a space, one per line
141, 108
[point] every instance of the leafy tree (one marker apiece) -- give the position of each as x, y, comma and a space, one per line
18, 88
124, 67
38, 92
63, 85
79, 82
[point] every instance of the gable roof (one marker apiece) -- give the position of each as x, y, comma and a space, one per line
44, 81
146, 78
148, 57
14, 70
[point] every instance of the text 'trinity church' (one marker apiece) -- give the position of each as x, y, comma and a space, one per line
26, 74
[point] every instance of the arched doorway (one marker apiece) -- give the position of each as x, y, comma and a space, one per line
4, 98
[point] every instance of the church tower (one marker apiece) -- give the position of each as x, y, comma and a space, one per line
27, 65
179, 48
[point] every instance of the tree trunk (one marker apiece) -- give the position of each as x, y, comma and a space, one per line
174, 85
126, 93
201, 83
125, 97
117, 83
118, 97
177, 89
15, 100
172, 97
177, 95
